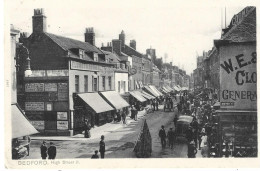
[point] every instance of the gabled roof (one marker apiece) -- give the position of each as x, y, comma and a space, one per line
68, 43
245, 30
136, 53
111, 56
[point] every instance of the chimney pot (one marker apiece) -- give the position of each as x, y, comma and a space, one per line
90, 35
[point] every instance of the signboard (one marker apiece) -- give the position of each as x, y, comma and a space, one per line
34, 106
62, 116
39, 125
238, 77
62, 125
50, 86
34, 87
63, 91
49, 106
55, 73
36, 96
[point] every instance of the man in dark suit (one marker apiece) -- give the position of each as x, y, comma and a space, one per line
52, 151
44, 150
102, 147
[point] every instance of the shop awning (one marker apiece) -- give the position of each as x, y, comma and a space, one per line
137, 96
155, 89
169, 88
149, 90
177, 88
163, 91
115, 99
148, 95
166, 90
20, 124
144, 95
96, 102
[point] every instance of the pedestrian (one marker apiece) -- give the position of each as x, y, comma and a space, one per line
204, 146
52, 151
132, 112
189, 134
44, 150
157, 104
87, 128
28, 141
162, 135
102, 147
153, 103
135, 116
192, 151
95, 156
175, 121
171, 138
171, 103
124, 116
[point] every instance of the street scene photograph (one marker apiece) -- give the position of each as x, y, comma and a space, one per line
109, 82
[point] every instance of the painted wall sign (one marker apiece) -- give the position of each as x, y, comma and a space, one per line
34, 106
62, 116
62, 125
91, 67
62, 91
55, 73
37, 96
50, 86
238, 77
34, 87
38, 124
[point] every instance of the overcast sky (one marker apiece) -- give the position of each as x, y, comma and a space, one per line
178, 29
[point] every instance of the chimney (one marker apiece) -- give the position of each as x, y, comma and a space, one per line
39, 21
23, 37
90, 36
133, 44
116, 44
108, 48
122, 38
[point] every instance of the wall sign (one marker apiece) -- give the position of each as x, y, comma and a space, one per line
36, 96
62, 125
49, 106
39, 125
62, 116
34, 87
238, 77
62, 91
50, 86
34, 106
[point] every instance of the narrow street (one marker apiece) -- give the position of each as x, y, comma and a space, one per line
119, 142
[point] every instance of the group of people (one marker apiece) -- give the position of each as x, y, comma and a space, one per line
102, 149
49, 152
170, 136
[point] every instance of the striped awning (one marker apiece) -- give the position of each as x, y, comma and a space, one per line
137, 96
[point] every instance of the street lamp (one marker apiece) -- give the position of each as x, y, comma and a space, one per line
28, 70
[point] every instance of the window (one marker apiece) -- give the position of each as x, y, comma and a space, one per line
104, 82
118, 86
95, 57
109, 83
76, 83
86, 83
94, 84
81, 53
123, 86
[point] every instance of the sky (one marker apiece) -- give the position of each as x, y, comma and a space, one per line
180, 30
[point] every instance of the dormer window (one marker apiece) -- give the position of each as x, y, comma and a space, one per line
81, 53
95, 57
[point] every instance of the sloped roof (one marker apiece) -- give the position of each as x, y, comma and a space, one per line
138, 54
111, 56
245, 30
68, 43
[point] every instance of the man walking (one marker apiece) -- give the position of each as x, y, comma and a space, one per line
102, 147
162, 135
52, 151
44, 150
171, 137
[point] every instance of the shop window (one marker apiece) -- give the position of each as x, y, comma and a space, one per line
109, 83
86, 83
123, 86
76, 83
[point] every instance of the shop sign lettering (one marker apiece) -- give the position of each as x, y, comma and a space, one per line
238, 77
50, 86
34, 106
62, 116
62, 125
34, 87
39, 125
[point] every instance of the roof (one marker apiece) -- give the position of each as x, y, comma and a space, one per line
135, 52
113, 58
20, 124
184, 118
96, 102
115, 99
245, 30
68, 43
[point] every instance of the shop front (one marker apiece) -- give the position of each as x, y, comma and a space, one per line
136, 98
91, 108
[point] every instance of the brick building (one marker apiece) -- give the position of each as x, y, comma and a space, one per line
61, 66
